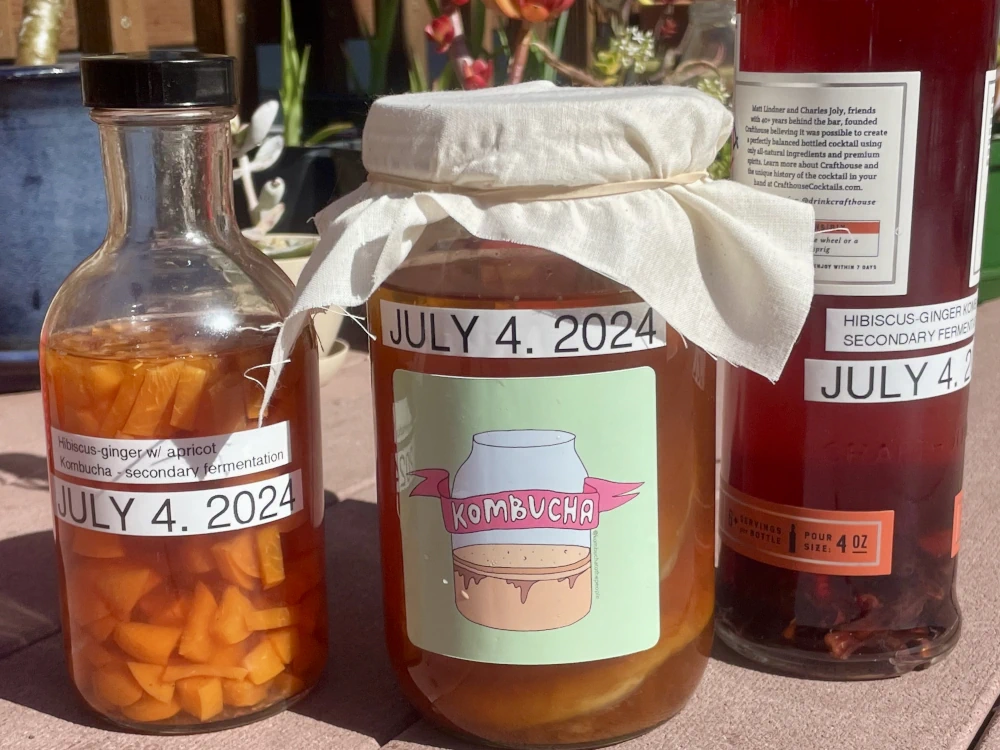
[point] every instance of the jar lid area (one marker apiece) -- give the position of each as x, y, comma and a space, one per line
158, 80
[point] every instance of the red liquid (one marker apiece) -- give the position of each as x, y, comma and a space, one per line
906, 457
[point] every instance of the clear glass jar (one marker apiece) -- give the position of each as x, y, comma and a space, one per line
188, 526
546, 495
711, 36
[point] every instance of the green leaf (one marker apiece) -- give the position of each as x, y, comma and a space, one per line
556, 39
434, 8
380, 46
326, 132
477, 28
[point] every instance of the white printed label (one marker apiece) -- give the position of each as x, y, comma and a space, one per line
888, 380
898, 329
845, 143
983, 180
199, 459
522, 334
207, 511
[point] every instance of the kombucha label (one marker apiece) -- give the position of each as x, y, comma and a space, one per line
529, 518
888, 380
845, 143
522, 334
826, 542
989, 98
206, 511
183, 460
898, 329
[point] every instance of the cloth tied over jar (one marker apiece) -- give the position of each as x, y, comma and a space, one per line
613, 179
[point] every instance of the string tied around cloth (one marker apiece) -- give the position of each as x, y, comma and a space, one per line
536, 193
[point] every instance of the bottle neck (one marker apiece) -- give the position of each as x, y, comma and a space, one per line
169, 176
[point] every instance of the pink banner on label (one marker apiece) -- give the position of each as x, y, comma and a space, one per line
524, 509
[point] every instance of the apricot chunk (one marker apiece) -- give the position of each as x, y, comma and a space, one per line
272, 619
200, 696
196, 556
286, 643
115, 417
116, 685
102, 628
148, 709
241, 552
196, 641
147, 643
122, 586
85, 606
232, 563
242, 693
96, 655
150, 679
184, 671
230, 624
229, 656
105, 378
187, 397
263, 663
270, 559
153, 400
96, 544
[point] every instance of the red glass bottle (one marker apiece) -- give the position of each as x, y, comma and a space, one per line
841, 491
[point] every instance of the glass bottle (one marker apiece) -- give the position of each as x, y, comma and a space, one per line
711, 36
842, 483
546, 492
188, 525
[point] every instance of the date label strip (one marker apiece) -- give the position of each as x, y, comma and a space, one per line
209, 511
522, 334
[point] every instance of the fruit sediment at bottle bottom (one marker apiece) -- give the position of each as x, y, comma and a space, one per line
178, 630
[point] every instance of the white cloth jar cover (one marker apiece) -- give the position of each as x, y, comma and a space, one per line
610, 178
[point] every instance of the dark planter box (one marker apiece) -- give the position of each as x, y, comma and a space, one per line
53, 211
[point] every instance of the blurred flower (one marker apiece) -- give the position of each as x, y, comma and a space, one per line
477, 74
667, 28
630, 49
532, 11
441, 31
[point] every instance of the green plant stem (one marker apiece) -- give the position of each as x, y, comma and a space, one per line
559, 37
522, 46
324, 133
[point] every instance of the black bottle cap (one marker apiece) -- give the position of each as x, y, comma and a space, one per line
158, 80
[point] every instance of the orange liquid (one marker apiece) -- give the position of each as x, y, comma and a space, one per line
170, 633
583, 704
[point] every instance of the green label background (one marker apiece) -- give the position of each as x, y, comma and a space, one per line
613, 416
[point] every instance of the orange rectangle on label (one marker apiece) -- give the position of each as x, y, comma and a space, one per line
956, 524
826, 542
848, 227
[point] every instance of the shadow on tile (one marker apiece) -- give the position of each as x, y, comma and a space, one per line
358, 691
24, 470
29, 604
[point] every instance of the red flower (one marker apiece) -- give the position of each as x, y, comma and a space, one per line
667, 28
477, 74
441, 31
533, 11
458, 3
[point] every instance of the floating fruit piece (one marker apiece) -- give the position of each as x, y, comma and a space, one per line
96, 544
174, 611
263, 663
101, 629
82, 422
116, 685
105, 380
271, 619
96, 655
229, 656
85, 606
242, 693
230, 624
286, 643
196, 556
241, 551
147, 643
148, 709
150, 679
269, 557
124, 400
303, 574
286, 685
223, 554
196, 641
312, 610
227, 410
200, 696
154, 398
184, 671
190, 386
123, 586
